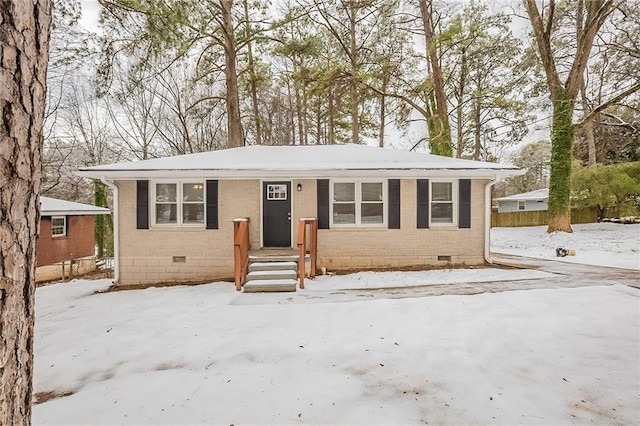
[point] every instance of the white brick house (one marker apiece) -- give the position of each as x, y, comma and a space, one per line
375, 208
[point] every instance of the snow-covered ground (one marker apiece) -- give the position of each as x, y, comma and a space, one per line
602, 244
208, 354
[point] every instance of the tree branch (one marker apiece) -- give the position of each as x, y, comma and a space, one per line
607, 104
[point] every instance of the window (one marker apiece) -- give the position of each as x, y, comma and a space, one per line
179, 203
358, 203
276, 192
58, 226
442, 201
344, 203
521, 205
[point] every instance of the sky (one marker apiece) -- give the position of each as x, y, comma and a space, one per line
90, 14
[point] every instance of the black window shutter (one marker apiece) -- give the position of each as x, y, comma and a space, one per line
212, 204
142, 204
322, 192
464, 214
66, 225
394, 203
423, 203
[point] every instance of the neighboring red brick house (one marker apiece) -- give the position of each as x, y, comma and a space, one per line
66, 231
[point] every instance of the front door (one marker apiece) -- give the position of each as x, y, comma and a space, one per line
276, 214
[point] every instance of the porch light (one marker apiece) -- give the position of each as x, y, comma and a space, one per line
299, 187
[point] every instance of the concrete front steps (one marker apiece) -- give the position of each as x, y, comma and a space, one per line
272, 274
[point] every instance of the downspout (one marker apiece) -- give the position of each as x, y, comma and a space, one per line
116, 230
487, 219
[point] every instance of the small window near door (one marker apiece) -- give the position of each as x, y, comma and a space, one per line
520, 205
276, 192
58, 226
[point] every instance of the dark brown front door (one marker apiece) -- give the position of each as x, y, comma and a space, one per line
276, 214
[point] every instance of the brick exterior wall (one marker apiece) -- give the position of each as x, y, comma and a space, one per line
79, 241
348, 248
147, 255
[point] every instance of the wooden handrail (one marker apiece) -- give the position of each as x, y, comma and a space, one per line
241, 251
302, 247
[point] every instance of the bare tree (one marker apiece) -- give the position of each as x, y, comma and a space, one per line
590, 17
179, 27
24, 43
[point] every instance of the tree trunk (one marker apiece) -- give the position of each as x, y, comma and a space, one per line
292, 123
332, 135
100, 200
383, 109
561, 155
24, 48
460, 98
353, 86
252, 76
591, 142
383, 123
440, 139
234, 125
296, 88
477, 147
588, 126
305, 123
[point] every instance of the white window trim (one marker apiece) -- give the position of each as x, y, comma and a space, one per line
64, 226
454, 198
358, 201
179, 203
521, 203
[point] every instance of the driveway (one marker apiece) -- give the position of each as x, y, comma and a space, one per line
561, 275
572, 272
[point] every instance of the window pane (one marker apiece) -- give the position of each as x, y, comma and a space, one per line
372, 191
344, 192
276, 192
57, 226
372, 213
166, 213
344, 213
166, 192
441, 191
193, 192
193, 213
442, 212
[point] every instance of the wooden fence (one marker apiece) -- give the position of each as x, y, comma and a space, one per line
537, 218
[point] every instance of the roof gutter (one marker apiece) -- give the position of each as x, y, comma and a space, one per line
287, 174
116, 230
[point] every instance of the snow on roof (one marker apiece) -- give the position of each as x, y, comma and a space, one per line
55, 207
296, 160
539, 194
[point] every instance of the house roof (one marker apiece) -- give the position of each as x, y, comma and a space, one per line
539, 194
55, 207
301, 161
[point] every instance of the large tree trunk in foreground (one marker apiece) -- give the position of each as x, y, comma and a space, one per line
562, 133
24, 51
